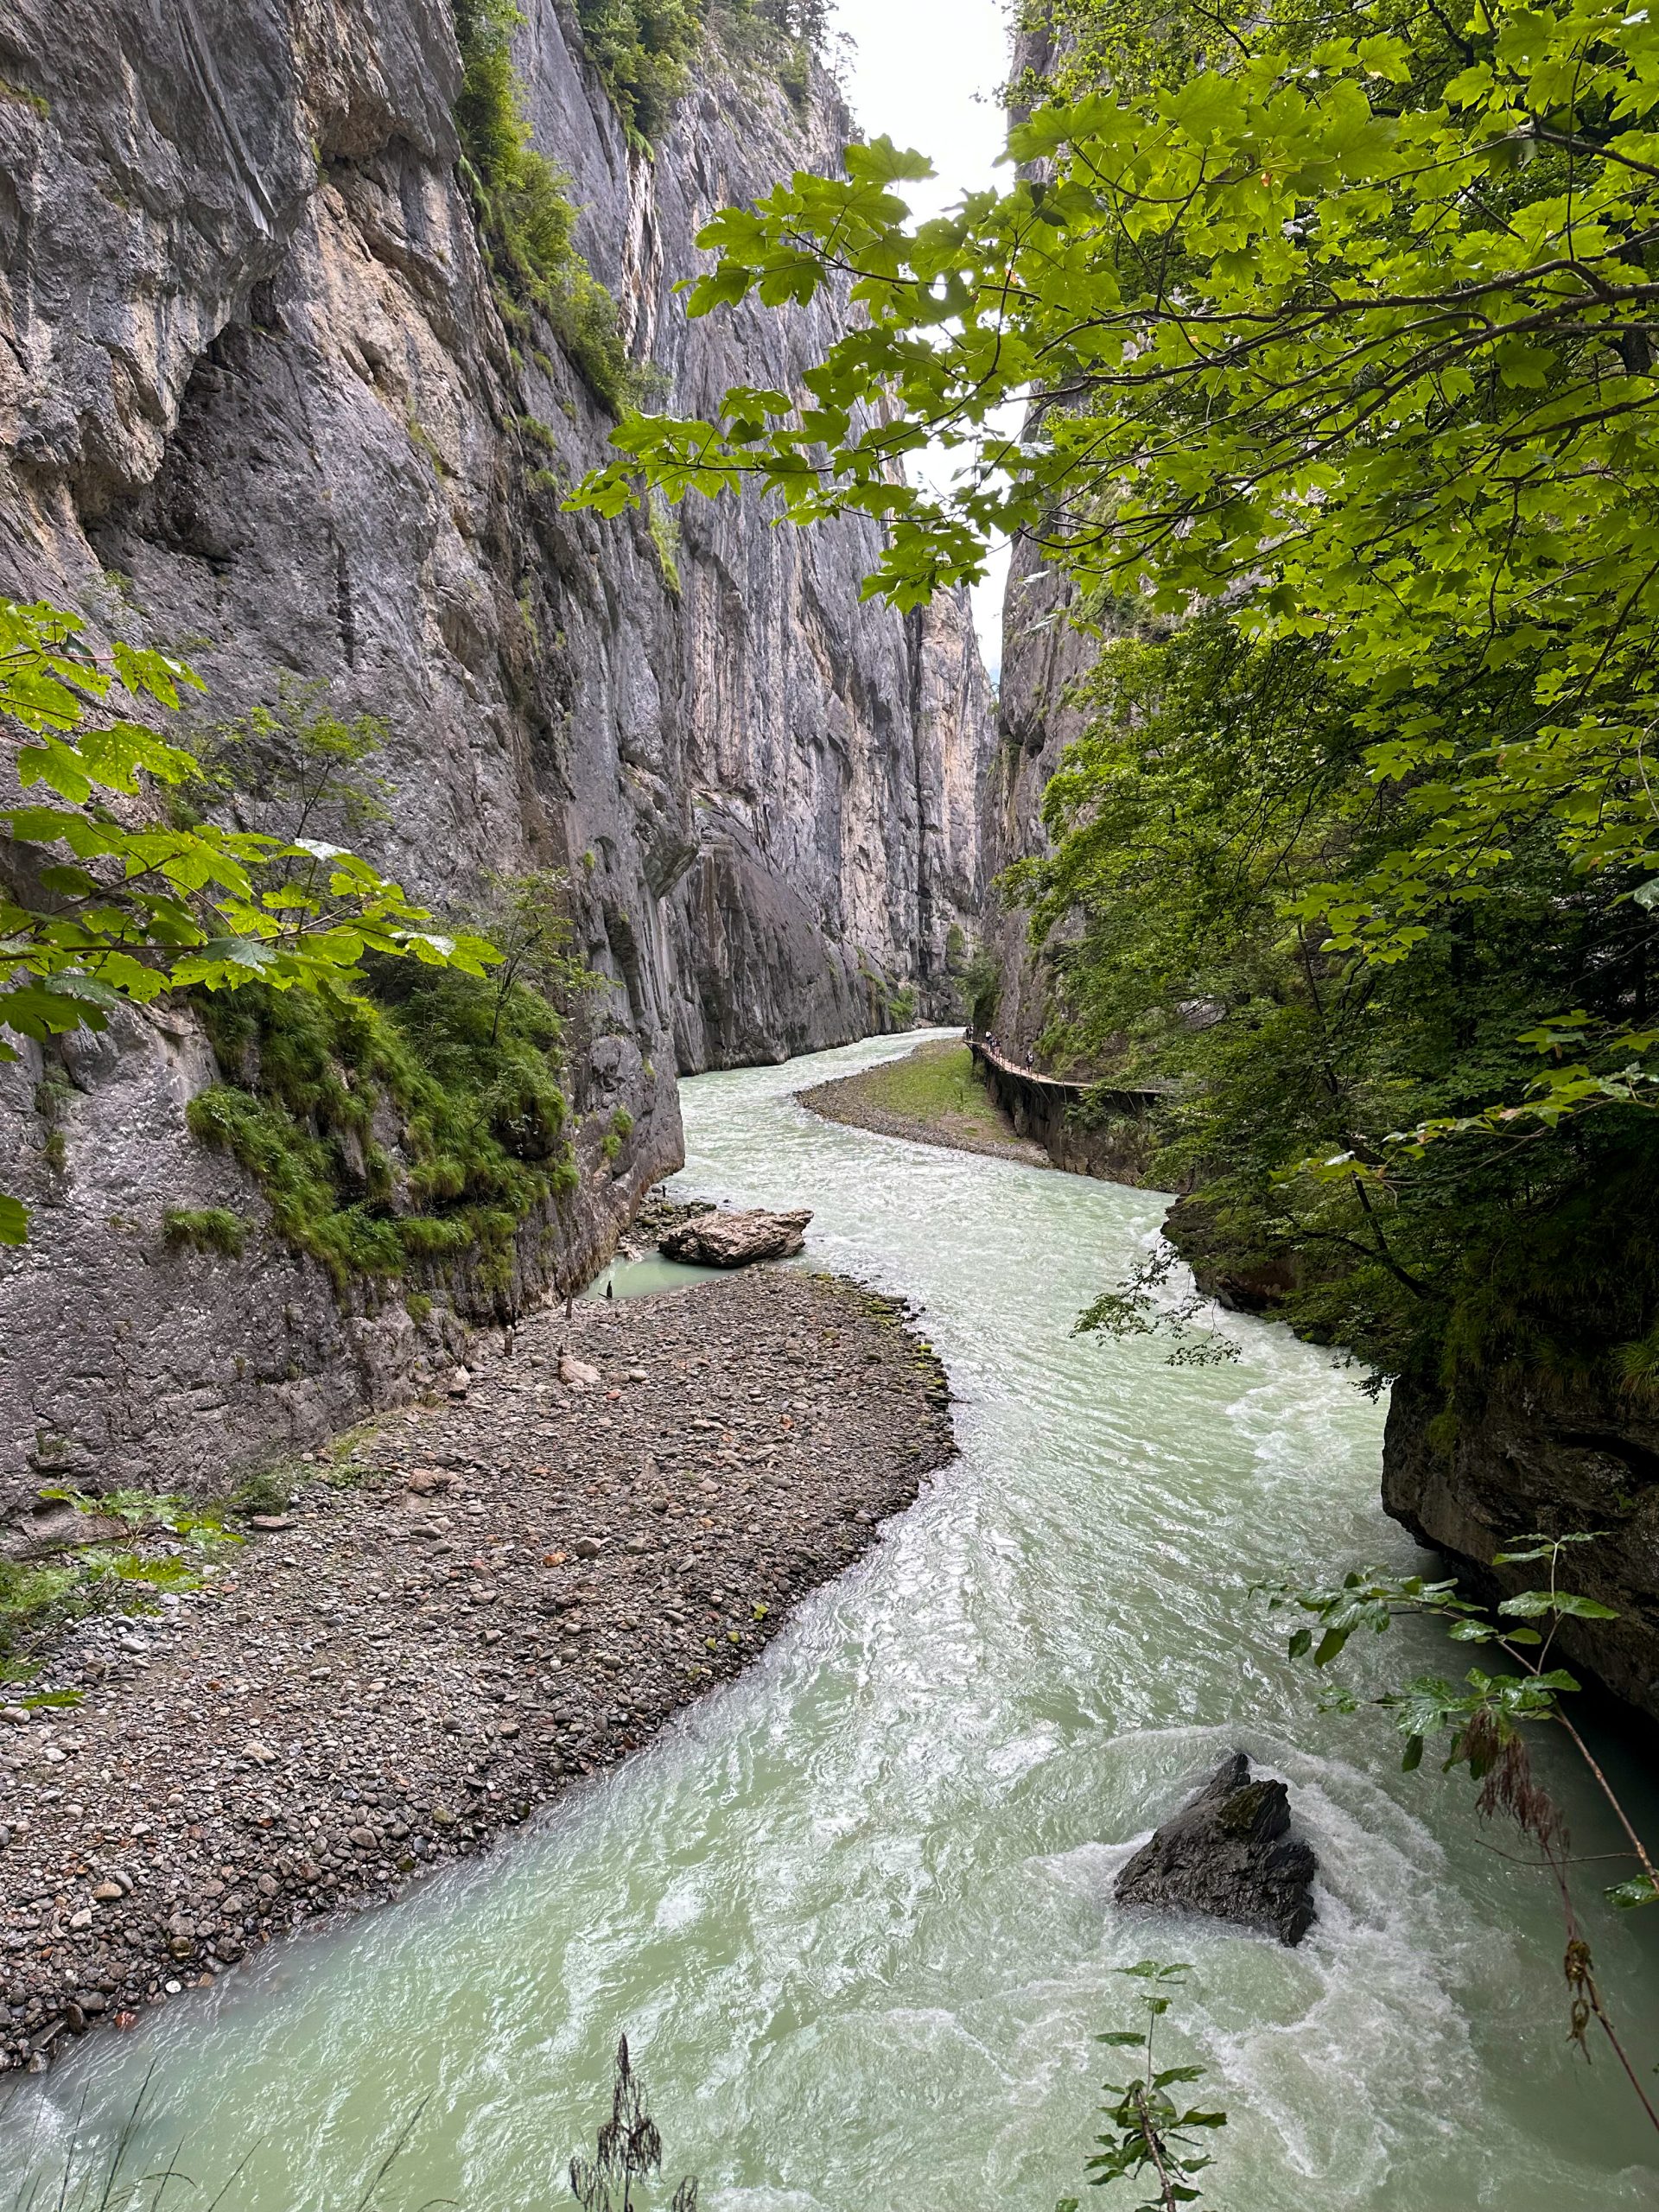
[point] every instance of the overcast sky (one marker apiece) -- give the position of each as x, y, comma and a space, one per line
927, 73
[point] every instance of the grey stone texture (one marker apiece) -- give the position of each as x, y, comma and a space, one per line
1228, 1854
1543, 1452
736, 1240
257, 403
1043, 657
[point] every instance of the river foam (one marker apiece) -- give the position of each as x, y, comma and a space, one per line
856, 1912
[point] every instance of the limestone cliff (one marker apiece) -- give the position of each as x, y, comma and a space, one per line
1043, 656
258, 403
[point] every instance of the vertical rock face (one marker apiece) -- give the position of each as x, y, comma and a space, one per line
1042, 658
257, 403
1537, 1452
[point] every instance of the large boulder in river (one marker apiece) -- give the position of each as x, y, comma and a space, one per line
1229, 1852
733, 1240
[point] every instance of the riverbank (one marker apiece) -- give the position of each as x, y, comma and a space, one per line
1085, 1128
932, 1095
468, 1608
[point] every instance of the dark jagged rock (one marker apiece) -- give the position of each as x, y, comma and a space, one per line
735, 1240
1511, 1449
1229, 1852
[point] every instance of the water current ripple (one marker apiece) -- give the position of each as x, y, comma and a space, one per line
856, 1911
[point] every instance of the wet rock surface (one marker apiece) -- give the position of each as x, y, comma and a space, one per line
1228, 1854
1466, 1471
469, 1608
735, 1240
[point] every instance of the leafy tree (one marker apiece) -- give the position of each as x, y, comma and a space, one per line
296, 759
102, 905
526, 918
1211, 784
1336, 317
1146, 2131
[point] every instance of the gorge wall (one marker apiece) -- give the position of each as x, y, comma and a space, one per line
1469, 1463
258, 404
1042, 658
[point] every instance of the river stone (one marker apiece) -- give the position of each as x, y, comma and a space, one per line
1229, 1852
734, 1240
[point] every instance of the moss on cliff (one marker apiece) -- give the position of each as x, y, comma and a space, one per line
643, 49
391, 1137
526, 212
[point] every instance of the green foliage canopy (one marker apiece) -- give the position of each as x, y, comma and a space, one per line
1347, 330
1211, 783
103, 905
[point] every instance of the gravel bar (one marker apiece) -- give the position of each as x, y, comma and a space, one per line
469, 1605
860, 1101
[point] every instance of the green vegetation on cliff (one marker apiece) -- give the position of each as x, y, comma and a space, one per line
100, 912
524, 206
395, 1136
643, 49
1330, 327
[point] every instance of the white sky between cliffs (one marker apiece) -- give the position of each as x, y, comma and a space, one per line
927, 73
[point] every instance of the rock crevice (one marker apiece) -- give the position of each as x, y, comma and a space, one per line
260, 403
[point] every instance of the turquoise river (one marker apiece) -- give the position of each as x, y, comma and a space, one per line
854, 1912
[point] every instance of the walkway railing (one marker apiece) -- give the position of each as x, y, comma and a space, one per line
1058, 1093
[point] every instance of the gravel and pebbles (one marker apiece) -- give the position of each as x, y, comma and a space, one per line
866, 1101
461, 1611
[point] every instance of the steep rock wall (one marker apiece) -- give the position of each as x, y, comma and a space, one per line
258, 403
1043, 657
1586, 1459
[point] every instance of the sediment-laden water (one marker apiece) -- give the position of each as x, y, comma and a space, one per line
854, 1913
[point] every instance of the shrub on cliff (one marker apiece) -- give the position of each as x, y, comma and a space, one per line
642, 49
524, 206
107, 904
393, 1133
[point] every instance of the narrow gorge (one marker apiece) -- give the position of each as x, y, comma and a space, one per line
267, 404
827, 894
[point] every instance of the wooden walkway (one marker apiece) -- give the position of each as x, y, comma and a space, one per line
1054, 1091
